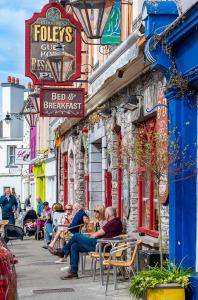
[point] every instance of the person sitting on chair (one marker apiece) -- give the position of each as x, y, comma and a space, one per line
74, 226
82, 243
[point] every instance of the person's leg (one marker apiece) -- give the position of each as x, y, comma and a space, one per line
78, 243
48, 231
39, 224
11, 219
67, 246
57, 235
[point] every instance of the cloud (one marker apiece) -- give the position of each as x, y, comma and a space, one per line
12, 35
25, 4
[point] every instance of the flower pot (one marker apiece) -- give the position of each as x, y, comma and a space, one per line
170, 291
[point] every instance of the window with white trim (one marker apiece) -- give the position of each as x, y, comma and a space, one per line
11, 155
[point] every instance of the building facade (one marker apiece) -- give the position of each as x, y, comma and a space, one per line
11, 136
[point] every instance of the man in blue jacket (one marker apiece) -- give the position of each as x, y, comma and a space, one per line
9, 205
79, 213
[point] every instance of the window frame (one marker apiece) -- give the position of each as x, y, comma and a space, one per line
150, 230
11, 155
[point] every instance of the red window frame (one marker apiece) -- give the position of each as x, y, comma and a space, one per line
149, 131
65, 179
108, 189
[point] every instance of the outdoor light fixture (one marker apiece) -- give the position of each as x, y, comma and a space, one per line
105, 112
8, 118
92, 15
60, 63
31, 109
132, 102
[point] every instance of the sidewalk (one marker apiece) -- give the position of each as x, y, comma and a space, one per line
37, 272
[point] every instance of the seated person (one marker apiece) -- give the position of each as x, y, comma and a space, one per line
85, 228
57, 213
60, 218
99, 218
82, 243
74, 226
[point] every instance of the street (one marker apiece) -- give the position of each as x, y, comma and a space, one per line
38, 277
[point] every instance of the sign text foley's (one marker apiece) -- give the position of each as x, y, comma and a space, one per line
43, 31
60, 102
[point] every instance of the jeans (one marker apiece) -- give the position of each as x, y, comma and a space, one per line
78, 243
10, 218
48, 232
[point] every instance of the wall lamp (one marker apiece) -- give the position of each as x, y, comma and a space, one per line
105, 112
8, 116
132, 103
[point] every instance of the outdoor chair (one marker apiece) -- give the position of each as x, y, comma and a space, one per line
113, 262
95, 256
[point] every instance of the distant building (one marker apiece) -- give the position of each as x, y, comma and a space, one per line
11, 135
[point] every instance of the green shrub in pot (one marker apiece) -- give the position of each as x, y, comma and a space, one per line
169, 273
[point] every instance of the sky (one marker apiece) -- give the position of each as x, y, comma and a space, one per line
13, 14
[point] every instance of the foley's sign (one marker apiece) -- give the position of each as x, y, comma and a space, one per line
62, 102
43, 31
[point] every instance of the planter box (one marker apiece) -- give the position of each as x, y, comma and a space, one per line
166, 292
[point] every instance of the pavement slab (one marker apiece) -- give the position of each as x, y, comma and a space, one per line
39, 277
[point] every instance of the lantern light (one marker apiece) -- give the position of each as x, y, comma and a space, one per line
31, 109
92, 15
60, 63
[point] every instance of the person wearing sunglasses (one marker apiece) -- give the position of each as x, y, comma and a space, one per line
64, 219
68, 217
82, 243
99, 217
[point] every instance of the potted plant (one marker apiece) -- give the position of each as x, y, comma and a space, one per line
168, 282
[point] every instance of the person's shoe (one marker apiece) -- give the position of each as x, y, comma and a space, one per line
61, 260
65, 269
70, 275
45, 247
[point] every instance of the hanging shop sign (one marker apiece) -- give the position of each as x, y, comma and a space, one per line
112, 31
162, 128
43, 31
22, 156
62, 102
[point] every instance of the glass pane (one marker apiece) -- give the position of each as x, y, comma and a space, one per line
11, 150
11, 160
146, 200
155, 212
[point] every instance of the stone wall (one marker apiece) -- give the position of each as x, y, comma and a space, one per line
106, 130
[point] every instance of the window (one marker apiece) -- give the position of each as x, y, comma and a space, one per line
147, 195
11, 155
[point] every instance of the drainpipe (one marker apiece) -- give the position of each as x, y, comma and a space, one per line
57, 156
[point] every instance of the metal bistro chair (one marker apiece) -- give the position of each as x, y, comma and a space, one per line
95, 256
112, 262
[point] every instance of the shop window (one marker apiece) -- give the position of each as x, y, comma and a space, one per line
147, 191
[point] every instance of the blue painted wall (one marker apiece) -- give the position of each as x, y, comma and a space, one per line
182, 38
